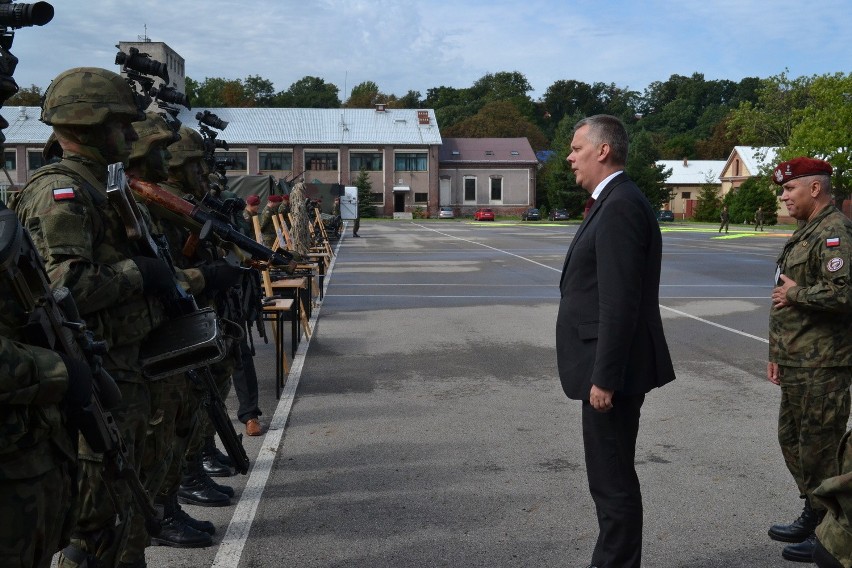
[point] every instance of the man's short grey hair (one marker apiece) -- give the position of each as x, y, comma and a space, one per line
607, 129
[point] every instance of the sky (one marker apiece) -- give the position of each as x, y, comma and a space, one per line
404, 45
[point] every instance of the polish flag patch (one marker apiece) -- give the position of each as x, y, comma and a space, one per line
832, 242
63, 193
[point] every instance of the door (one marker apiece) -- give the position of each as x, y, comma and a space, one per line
399, 202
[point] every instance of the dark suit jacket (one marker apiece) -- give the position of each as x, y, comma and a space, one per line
608, 330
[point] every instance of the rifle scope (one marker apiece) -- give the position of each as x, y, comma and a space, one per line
25, 15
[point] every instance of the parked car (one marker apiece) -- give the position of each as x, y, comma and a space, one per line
531, 214
483, 215
558, 215
446, 213
665, 215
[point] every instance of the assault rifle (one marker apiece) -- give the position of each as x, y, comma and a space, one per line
211, 224
55, 324
190, 342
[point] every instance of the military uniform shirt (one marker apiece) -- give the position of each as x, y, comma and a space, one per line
815, 330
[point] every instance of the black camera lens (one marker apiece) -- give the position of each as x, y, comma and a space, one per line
25, 15
171, 95
142, 63
211, 120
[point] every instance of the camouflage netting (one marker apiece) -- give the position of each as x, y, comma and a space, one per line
300, 232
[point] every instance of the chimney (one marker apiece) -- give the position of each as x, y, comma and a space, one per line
685, 162
380, 107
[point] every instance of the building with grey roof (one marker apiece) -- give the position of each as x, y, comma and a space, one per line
499, 173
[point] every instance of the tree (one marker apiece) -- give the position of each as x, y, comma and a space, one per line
365, 194
823, 130
364, 95
770, 120
643, 170
499, 119
309, 92
258, 91
754, 192
709, 204
556, 182
30, 96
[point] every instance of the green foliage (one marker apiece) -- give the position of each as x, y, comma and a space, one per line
29, 96
754, 192
420, 213
770, 120
365, 195
498, 119
309, 92
642, 168
709, 204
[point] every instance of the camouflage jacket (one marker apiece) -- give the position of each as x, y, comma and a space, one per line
33, 381
267, 227
814, 330
84, 244
835, 531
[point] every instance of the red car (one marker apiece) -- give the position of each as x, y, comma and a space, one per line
483, 215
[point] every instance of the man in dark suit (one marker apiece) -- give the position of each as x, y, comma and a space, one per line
610, 345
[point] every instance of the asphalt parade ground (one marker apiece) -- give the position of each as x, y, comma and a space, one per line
424, 425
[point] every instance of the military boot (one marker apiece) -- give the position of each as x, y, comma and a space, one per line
195, 487
798, 530
203, 526
801, 551
213, 461
174, 532
207, 480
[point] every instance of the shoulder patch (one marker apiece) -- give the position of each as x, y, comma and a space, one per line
832, 242
63, 193
834, 264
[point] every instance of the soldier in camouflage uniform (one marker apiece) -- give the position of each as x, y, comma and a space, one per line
85, 246
810, 352
148, 159
834, 534
267, 228
300, 232
188, 174
38, 454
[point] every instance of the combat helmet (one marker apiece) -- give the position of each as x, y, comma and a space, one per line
150, 131
87, 96
190, 146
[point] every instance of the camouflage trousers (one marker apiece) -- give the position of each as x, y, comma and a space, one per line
812, 420
186, 428
167, 402
96, 531
222, 372
37, 517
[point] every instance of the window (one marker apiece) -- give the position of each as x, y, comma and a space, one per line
372, 162
496, 189
275, 160
470, 189
421, 197
10, 160
410, 162
317, 161
686, 194
240, 160
35, 160
377, 198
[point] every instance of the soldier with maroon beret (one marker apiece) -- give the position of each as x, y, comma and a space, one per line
810, 352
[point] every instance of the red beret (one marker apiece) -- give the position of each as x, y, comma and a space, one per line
252, 200
274, 199
286, 198
800, 167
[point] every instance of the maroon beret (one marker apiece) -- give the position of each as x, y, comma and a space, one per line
800, 167
252, 200
274, 199
286, 198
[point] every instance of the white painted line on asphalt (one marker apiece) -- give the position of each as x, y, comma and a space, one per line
232, 545
684, 314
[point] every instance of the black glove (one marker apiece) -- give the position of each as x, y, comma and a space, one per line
79, 382
220, 275
156, 274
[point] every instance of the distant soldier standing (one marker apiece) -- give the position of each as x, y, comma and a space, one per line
810, 352
267, 227
758, 219
724, 216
